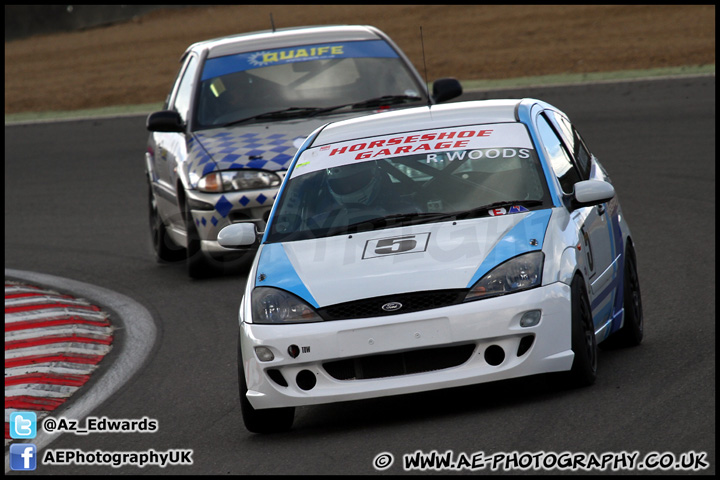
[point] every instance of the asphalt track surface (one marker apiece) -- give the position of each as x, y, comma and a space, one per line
75, 208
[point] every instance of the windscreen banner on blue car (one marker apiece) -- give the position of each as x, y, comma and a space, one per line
215, 67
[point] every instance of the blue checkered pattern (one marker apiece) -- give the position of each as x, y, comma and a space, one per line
207, 220
230, 149
233, 150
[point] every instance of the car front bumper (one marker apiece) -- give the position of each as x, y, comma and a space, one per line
464, 344
212, 212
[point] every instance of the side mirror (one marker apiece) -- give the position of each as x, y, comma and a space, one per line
165, 121
445, 89
591, 192
238, 235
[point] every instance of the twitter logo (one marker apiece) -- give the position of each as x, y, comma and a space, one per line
23, 425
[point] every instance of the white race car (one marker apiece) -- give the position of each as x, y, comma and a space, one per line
428, 248
236, 114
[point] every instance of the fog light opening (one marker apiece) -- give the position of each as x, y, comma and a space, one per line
306, 380
264, 354
494, 355
530, 318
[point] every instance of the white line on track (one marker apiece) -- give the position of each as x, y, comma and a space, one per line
47, 314
89, 331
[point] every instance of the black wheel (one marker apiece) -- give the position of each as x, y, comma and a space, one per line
631, 333
197, 264
165, 249
270, 420
584, 345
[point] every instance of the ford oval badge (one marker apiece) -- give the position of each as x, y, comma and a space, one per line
392, 306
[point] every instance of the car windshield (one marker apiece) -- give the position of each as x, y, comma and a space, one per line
301, 81
420, 177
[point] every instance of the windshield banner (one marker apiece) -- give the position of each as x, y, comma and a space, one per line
216, 67
490, 141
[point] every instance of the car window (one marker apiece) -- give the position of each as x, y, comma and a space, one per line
558, 157
234, 87
383, 182
181, 104
577, 145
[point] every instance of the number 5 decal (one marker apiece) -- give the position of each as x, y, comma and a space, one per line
387, 246
380, 247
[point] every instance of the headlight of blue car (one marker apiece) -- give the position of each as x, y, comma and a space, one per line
272, 305
519, 273
233, 180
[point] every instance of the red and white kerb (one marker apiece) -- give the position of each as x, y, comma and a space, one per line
53, 343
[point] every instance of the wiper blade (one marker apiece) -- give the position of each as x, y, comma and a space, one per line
284, 113
397, 219
373, 102
386, 100
414, 218
313, 111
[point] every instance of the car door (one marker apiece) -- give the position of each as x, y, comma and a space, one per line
606, 234
171, 147
595, 231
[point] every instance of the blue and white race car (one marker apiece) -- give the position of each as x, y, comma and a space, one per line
238, 111
433, 247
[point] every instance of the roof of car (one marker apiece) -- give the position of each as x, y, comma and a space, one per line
420, 118
285, 37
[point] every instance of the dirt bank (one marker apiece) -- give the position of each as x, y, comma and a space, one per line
136, 62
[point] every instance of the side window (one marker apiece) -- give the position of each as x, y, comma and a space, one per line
181, 104
558, 157
582, 155
577, 145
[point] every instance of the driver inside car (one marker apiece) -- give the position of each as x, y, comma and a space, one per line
357, 184
359, 192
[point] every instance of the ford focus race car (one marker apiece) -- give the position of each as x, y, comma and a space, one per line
433, 247
239, 109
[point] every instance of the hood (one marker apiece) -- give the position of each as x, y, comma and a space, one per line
268, 146
434, 256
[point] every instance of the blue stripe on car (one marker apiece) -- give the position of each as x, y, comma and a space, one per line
227, 64
516, 242
276, 270
619, 247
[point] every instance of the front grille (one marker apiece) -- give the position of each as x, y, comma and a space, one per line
402, 363
411, 302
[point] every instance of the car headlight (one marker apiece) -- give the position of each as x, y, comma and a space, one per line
272, 305
230, 180
518, 273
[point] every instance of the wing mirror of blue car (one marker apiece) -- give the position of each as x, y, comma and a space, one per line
591, 192
238, 235
165, 121
445, 89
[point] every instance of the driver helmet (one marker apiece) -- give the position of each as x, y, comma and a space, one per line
355, 183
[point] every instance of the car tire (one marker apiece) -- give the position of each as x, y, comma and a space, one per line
197, 265
584, 345
270, 420
631, 333
165, 249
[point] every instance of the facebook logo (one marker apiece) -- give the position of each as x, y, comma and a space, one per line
23, 425
23, 456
